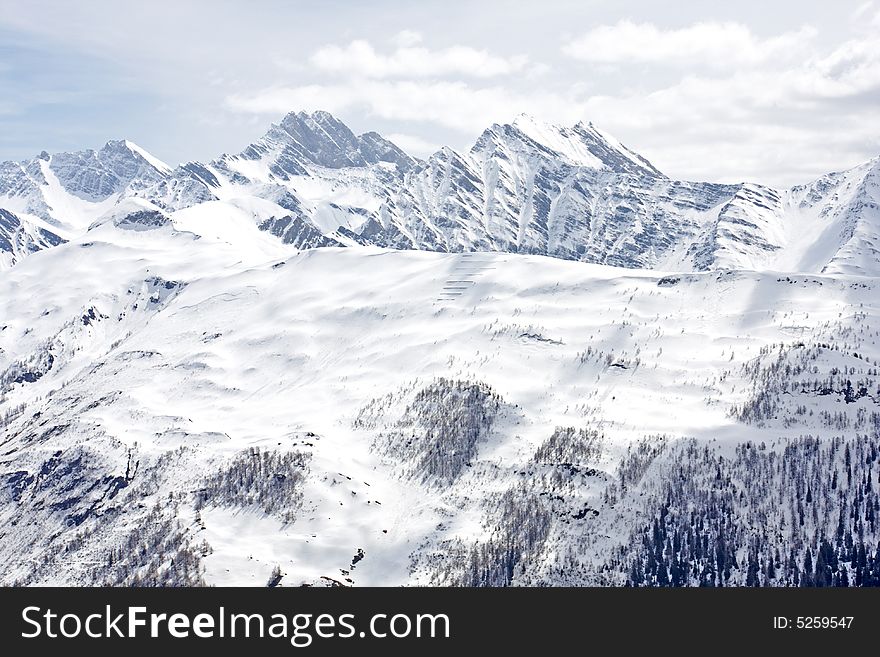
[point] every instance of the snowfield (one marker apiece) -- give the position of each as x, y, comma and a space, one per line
171, 355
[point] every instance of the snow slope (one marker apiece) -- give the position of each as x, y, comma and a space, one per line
170, 355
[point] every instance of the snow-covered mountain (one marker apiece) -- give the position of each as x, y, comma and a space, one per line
567, 368
181, 412
67, 190
21, 238
574, 193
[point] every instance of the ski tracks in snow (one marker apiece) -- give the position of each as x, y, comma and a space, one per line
464, 275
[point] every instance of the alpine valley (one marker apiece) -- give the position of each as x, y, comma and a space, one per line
322, 361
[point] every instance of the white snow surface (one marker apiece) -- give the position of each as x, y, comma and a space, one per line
558, 139
280, 349
149, 157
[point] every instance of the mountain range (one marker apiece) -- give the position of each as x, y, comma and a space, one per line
542, 362
528, 187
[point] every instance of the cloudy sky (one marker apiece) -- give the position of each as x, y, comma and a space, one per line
777, 92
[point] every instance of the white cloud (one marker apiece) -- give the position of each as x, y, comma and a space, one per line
714, 100
852, 68
360, 59
452, 104
774, 124
413, 144
406, 38
861, 10
780, 123
710, 44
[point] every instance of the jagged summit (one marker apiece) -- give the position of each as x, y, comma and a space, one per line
530, 187
96, 175
65, 192
154, 161
579, 145
321, 139
20, 238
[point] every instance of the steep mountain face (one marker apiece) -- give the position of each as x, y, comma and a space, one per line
302, 140
840, 214
97, 175
310, 166
27, 188
743, 231
506, 196
303, 146
53, 197
577, 194
21, 238
527, 187
582, 145
297, 232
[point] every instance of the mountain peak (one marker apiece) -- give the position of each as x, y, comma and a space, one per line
124, 147
318, 118
385, 151
524, 118
303, 139
149, 157
613, 152
95, 175
543, 132
580, 145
